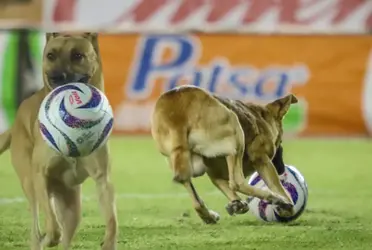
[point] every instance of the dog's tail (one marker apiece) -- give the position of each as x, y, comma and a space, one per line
5, 140
180, 154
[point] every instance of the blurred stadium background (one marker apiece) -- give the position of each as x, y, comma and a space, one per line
253, 50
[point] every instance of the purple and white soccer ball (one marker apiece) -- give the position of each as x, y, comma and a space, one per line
294, 182
75, 119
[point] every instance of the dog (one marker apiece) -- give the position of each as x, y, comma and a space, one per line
51, 181
202, 133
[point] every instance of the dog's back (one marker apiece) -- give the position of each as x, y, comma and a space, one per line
250, 116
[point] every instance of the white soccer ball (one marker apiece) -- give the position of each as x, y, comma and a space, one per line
294, 182
75, 119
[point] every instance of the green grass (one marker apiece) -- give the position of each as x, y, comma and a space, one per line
338, 216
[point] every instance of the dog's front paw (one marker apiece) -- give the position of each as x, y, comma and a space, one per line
209, 216
279, 200
179, 179
51, 240
214, 217
182, 177
108, 246
285, 210
237, 207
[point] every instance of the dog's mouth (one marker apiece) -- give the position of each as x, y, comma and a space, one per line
84, 79
60, 79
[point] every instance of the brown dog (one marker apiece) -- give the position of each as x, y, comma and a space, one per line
48, 179
202, 133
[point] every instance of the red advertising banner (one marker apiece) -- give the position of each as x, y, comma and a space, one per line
242, 16
174, 16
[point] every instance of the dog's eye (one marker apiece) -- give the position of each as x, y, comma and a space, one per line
77, 56
51, 56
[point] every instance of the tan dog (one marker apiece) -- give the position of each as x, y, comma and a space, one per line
48, 179
229, 140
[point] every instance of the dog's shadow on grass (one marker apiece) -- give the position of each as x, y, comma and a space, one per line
189, 220
310, 217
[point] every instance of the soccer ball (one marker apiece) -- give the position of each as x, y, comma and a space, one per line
294, 182
75, 119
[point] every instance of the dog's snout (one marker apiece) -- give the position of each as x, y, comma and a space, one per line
83, 78
58, 77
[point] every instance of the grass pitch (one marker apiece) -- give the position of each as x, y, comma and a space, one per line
156, 214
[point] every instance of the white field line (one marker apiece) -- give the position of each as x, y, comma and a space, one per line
142, 196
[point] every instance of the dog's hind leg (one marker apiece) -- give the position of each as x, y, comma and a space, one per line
235, 160
180, 156
68, 208
217, 173
207, 215
236, 204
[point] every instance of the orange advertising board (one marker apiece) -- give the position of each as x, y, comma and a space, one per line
329, 74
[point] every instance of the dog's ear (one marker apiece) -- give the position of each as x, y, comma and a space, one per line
281, 106
48, 36
93, 38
